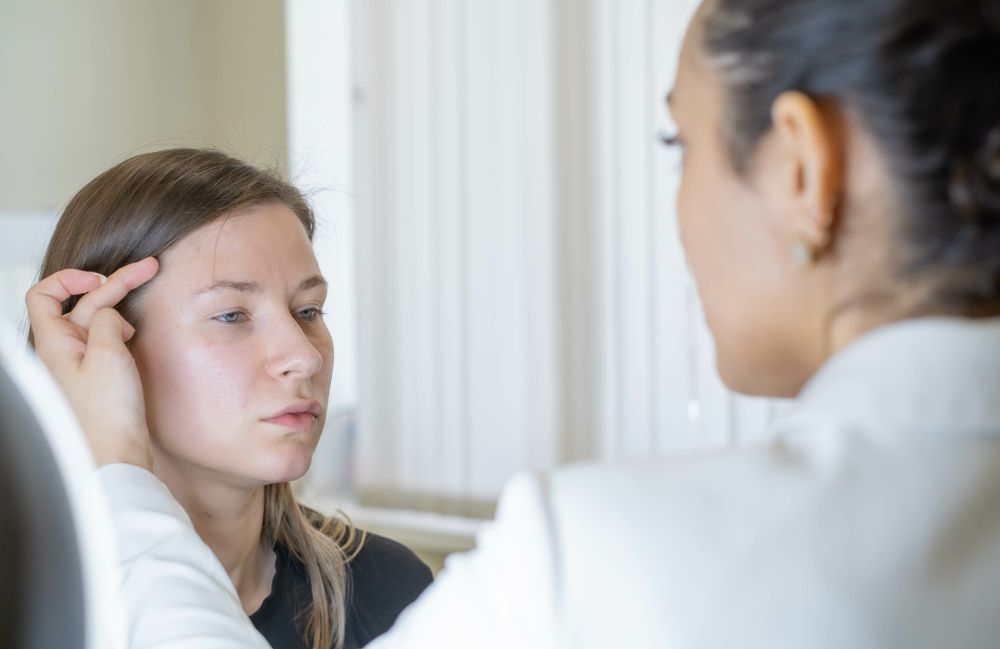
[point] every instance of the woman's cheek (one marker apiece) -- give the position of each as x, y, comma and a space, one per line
218, 376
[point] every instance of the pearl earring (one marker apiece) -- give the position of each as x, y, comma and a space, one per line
803, 253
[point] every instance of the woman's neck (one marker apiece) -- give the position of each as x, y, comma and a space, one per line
878, 309
229, 520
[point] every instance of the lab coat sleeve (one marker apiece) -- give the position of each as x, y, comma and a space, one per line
176, 593
504, 593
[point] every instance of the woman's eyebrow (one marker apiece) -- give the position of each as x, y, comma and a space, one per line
253, 287
243, 287
313, 282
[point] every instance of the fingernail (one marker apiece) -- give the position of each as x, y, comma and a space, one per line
104, 280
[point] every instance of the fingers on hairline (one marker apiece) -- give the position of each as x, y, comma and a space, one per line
44, 299
138, 273
105, 296
119, 284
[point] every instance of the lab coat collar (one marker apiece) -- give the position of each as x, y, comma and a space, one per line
927, 375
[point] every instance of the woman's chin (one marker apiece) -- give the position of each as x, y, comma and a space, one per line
758, 380
287, 470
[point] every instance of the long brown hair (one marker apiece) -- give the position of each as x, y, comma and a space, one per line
140, 208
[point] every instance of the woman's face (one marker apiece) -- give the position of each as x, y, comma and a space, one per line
234, 355
736, 234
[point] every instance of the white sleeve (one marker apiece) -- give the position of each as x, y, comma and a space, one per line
501, 594
176, 593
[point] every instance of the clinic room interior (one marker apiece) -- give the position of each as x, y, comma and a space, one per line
507, 290
504, 323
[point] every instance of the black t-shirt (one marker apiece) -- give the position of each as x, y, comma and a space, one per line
383, 579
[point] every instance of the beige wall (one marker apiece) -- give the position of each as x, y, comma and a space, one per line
85, 84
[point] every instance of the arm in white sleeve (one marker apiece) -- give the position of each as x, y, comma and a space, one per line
504, 593
176, 593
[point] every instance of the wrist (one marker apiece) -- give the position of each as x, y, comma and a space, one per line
136, 453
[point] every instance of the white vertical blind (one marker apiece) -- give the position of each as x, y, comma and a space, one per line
523, 297
455, 237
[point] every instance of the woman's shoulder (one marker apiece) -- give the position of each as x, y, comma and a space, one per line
385, 578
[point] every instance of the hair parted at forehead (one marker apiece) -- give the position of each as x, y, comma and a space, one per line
921, 77
145, 204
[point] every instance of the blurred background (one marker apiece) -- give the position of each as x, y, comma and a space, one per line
507, 288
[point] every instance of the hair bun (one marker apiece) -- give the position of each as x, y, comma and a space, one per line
975, 183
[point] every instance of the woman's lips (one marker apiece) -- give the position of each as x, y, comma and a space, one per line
300, 422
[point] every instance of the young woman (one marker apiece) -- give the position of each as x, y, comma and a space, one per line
235, 363
840, 208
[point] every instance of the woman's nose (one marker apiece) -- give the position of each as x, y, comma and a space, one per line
292, 353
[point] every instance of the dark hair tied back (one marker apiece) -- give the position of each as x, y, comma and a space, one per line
975, 188
924, 80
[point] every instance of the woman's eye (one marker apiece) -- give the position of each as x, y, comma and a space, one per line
674, 141
309, 313
230, 318
668, 139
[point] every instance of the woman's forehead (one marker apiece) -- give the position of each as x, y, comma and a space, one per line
260, 245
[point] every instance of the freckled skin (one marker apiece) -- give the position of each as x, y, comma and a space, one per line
209, 384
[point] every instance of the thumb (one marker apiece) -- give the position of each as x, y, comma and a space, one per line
108, 331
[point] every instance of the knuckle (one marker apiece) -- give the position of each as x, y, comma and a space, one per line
106, 312
106, 318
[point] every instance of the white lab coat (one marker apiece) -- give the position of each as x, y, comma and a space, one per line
93, 540
148, 579
872, 519
177, 595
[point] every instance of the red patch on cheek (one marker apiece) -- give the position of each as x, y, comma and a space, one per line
221, 374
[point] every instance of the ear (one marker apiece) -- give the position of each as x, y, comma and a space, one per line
809, 138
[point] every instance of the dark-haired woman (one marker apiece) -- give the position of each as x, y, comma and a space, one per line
210, 263
840, 209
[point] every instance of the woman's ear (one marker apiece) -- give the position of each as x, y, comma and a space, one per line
808, 137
